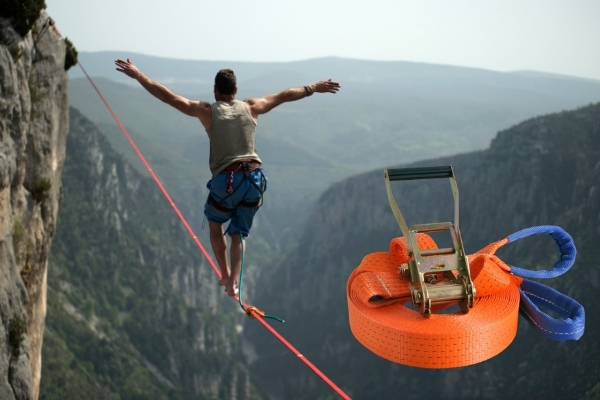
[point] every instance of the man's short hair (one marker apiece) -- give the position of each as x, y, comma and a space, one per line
225, 81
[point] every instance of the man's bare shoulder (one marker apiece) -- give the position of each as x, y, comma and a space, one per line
256, 106
260, 105
201, 107
253, 100
203, 111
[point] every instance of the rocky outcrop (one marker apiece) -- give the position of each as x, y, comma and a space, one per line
33, 129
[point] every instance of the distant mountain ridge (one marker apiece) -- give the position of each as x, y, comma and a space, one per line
100, 64
394, 109
543, 171
385, 113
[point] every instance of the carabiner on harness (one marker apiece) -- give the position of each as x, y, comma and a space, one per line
229, 181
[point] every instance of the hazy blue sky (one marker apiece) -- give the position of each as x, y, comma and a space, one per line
558, 36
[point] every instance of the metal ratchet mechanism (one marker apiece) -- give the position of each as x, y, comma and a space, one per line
424, 265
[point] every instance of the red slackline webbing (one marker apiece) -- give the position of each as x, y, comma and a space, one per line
256, 315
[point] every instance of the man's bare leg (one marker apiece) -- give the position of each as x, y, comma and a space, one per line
236, 264
218, 242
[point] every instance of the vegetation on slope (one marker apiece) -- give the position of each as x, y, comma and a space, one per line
23, 13
133, 309
544, 171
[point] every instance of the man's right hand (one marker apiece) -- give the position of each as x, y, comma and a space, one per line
128, 68
193, 108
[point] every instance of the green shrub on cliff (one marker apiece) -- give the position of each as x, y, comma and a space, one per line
40, 190
23, 13
71, 55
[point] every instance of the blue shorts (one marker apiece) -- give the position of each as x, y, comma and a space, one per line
235, 207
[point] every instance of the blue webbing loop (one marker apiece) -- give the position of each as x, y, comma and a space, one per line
571, 322
569, 326
563, 241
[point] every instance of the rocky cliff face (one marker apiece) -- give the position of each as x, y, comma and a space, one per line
33, 129
543, 171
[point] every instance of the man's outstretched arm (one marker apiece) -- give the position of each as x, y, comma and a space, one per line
265, 104
189, 107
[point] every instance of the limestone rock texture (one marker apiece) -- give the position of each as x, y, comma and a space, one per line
34, 122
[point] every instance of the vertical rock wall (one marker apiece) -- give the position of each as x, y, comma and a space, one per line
33, 129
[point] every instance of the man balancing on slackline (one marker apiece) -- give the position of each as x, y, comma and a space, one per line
238, 181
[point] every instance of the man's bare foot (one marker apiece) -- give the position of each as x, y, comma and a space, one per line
224, 282
232, 288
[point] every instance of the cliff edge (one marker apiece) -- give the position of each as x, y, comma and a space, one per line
33, 124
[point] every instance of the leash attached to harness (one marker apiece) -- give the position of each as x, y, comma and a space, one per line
250, 311
380, 292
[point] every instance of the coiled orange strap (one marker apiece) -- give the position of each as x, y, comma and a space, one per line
381, 319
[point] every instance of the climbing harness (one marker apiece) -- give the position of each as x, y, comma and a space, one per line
240, 167
381, 289
249, 310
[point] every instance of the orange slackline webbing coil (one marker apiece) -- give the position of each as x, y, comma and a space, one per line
381, 320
